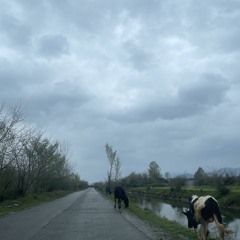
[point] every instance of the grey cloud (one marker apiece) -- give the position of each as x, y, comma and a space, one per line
19, 77
217, 149
53, 46
32, 84
59, 99
138, 58
209, 90
158, 80
171, 109
17, 32
200, 96
13, 79
213, 27
230, 41
82, 16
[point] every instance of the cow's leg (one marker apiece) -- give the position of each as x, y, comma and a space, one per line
201, 233
204, 230
115, 203
119, 203
207, 234
220, 228
197, 233
221, 231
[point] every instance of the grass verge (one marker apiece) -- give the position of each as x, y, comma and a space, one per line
229, 200
30, 200
172, 229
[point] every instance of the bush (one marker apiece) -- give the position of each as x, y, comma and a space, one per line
222, 190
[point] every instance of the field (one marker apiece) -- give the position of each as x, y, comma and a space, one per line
229, 200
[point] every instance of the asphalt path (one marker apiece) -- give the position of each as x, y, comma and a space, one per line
82, 215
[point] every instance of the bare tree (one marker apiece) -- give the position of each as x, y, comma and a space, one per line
117, 167
111, 158
11, 132
114, 165
30, 162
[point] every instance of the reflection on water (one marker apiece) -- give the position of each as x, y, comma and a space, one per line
173, 212
162, 209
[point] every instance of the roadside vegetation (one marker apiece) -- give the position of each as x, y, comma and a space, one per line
223, 185
229, 200
31, 164
172, 230
12, 206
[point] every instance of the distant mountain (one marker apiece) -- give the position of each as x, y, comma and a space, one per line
186, 175
183, 175
226, 170
231, 171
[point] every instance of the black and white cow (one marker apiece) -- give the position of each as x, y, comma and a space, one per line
120, 194
203, 210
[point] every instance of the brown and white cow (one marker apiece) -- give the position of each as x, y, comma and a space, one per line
203, 210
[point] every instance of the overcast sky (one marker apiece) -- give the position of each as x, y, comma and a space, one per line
158, 80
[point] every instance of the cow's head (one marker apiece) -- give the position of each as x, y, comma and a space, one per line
190, 216
126, 202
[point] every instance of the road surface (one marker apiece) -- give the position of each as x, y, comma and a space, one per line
82, 215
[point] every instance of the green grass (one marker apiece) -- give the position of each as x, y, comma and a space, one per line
230, 200
172, 229
19, 204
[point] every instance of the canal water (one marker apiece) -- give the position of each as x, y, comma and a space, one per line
173, 212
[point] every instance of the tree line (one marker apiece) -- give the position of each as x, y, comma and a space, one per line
153, 177
29, 161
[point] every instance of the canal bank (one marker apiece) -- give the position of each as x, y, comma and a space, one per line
230, 200
158, 202
173, 212
159, 228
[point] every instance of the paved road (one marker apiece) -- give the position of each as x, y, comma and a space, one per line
83, 215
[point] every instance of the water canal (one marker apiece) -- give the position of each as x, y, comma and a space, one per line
173, 212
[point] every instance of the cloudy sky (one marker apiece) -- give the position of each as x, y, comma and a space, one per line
156, 79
